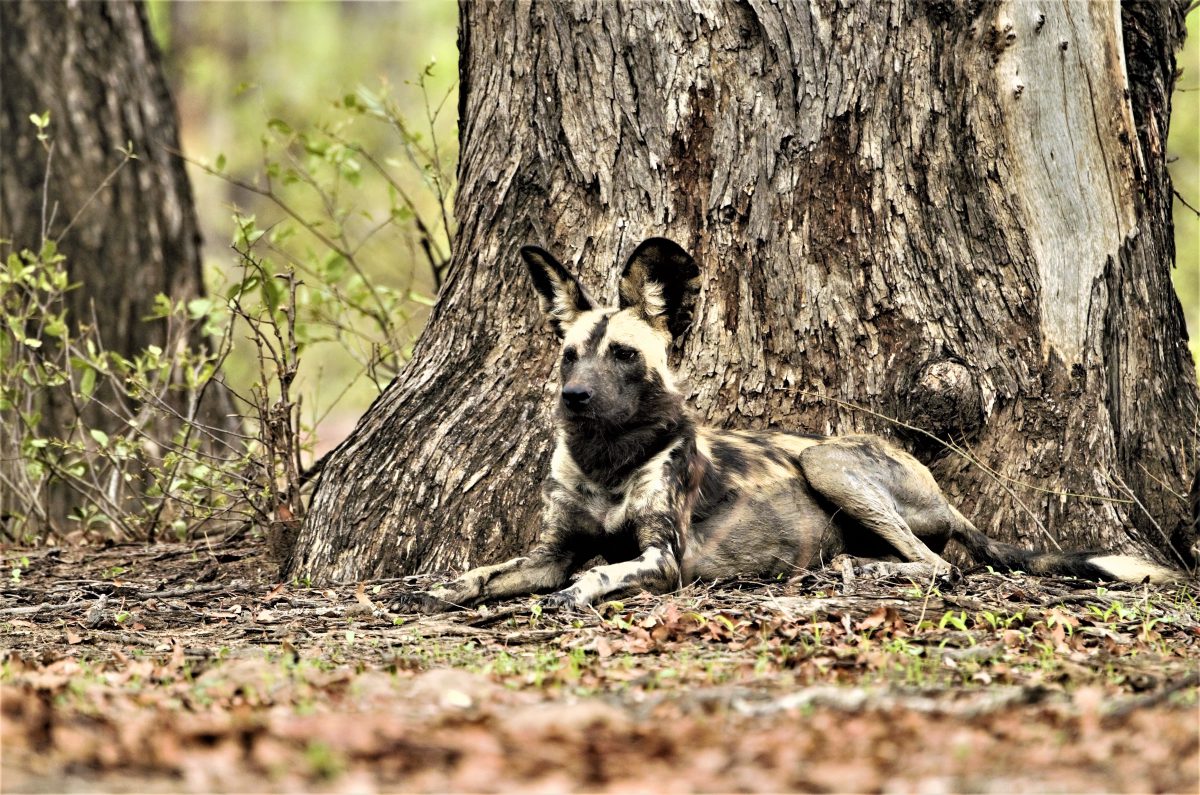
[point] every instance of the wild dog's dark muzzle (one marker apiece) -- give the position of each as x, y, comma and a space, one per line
576, 396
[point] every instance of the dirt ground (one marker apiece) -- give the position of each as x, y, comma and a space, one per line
187, 667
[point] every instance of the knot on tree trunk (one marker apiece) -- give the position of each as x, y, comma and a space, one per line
944, 399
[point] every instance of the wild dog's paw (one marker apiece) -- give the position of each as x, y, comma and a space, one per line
561, 600
421, 602
912, 570
949, 577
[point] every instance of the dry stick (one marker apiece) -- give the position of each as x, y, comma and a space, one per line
284, 361
1141, 702
1029, 511
1119, 483
119, 637
1163, 484
176, 593
289, 455
1179, 195
31, 609
437, 264
431, 118
46, 192
129, 155
925, 601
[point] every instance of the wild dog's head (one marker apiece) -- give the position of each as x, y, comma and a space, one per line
614, 359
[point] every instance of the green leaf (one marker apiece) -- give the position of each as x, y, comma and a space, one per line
162, 306
100, 436
199, 307
56, 328
242, 287
87, 382
271, 293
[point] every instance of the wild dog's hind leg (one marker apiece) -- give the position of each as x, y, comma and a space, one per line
884, 489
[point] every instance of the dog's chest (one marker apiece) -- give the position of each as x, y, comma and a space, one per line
610, 508
614, 508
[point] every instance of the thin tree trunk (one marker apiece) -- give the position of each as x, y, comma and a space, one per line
128, 233
959, 220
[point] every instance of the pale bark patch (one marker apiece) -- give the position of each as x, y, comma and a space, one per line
1069, 128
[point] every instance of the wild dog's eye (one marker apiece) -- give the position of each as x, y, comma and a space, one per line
570, 355
622, 352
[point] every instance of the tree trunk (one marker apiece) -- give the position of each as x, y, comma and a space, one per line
958, 219
126, 236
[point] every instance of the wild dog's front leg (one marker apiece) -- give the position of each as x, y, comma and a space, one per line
548, 566
543, 569
655, 570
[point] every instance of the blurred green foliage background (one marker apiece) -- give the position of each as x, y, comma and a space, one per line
249, 78
1183, 148
235, 67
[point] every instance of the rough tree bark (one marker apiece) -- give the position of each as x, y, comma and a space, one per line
95, 67
957, 215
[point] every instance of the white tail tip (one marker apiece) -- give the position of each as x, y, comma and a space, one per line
1130, 569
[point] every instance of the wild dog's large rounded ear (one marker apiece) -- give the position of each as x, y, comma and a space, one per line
660, 281
559, 293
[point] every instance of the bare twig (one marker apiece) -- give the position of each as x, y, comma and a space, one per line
129, 155
1179, 195
1117, 481
46, 192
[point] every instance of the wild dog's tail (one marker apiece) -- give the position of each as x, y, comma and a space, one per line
1092, 565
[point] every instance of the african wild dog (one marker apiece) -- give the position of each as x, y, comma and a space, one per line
634, 480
